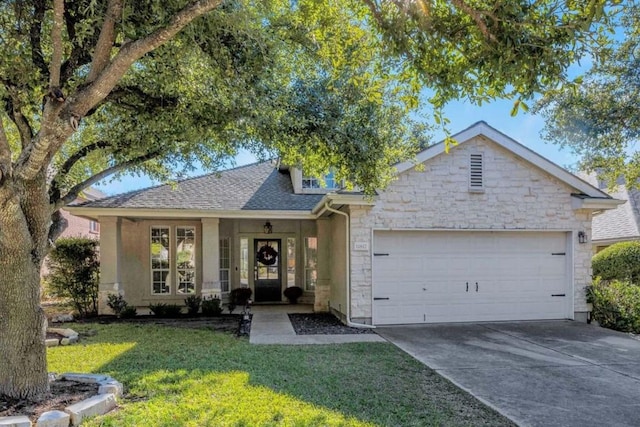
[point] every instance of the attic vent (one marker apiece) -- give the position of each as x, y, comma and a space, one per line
476, 180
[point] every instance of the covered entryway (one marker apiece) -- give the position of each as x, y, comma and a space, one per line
467, 276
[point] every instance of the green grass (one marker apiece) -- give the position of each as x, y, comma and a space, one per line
185, 377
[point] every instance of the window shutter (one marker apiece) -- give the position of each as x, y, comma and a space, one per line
476, 178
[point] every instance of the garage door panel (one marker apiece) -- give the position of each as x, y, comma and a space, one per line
426, 275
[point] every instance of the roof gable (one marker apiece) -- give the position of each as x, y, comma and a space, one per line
483, 129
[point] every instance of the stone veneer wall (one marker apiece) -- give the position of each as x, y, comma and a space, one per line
517, 196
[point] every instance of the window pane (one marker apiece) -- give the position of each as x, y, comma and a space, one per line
291, 261
244, 261
186, 282
310, 280
186, 247
225, 254
160, 256
310, 263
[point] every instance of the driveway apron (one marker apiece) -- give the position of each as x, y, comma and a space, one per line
551, 373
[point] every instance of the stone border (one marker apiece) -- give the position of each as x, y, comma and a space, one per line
108, 392
69, 336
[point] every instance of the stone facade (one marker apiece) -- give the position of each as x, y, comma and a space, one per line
516, 196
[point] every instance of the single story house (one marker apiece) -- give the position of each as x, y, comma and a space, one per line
621, 224
489, 231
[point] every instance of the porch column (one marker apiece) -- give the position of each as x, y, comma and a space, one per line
110, 261
323, 285
210, 257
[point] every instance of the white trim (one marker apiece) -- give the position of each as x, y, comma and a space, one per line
170, 269
195, 261
170, 214
597, 204
483, 129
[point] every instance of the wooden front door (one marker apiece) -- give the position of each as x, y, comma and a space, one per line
268, 284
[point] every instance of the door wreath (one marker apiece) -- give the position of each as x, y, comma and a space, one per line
267, 255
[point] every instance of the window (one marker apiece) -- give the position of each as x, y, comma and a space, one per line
329, 181
476, 178
244, 262
160, 256
94, 227
310, 263
291, 261
224, 264
186, 259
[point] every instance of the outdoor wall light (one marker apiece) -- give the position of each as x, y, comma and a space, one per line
268, 228
582, 237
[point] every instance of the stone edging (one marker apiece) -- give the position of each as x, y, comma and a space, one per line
69, 336
109, 390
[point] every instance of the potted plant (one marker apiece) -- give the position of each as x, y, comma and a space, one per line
240, 296
293, 293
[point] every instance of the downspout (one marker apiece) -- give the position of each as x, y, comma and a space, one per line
327, 206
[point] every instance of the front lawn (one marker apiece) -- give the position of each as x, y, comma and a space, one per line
184, 377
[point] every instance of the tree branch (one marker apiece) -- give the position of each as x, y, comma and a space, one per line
54, 191
5, 155
56, 43
53, 136
72, 194
477, 17
133, 51
102, 51
37, 58
24, 127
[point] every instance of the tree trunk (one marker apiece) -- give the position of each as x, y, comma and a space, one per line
23, 361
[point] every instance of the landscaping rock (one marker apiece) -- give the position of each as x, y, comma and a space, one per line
65, 341
97, 405
61, 318
52, 342
111, 386
54, 419
15, 421
85, 378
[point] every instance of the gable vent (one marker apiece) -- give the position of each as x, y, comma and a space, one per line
476, 179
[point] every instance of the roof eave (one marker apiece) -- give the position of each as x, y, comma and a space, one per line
594, 203
95, 213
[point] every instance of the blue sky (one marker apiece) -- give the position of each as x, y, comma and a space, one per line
524, 128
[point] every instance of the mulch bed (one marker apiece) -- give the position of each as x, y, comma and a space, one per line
228, 323
62, 394
322, 324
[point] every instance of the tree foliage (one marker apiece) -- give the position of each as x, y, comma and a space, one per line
599, 119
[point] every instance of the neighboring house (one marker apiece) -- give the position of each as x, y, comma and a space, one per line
616, 225
79, 226
489, 231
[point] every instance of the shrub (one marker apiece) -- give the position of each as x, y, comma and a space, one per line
293, 293
239, 296
74, 273
616, 304
128, 312
212, 306
618, 262
165, 310
193, 304
116, 303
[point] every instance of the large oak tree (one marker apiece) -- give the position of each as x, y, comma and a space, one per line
93, 88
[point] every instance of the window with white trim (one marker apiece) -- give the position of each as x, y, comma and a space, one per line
224, 263
476, 172
315, 183
310, 263
160, 260
244, 262
94, 227
186, 259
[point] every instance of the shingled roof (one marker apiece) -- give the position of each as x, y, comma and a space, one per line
259, 186
621, 223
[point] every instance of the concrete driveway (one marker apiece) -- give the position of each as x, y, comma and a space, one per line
558, 373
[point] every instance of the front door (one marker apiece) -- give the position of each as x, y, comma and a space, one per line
268, 284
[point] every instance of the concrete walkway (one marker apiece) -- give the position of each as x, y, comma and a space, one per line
271, 325
543, 374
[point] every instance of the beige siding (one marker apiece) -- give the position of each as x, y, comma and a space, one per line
517, 196
338, 294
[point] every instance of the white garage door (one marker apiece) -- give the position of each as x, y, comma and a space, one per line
430, 277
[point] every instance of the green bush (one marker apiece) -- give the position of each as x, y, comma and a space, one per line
116, 303
193, 304
211, 306
618, 262
616, 304
239, 296
128, 312
74, 271
165, 310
